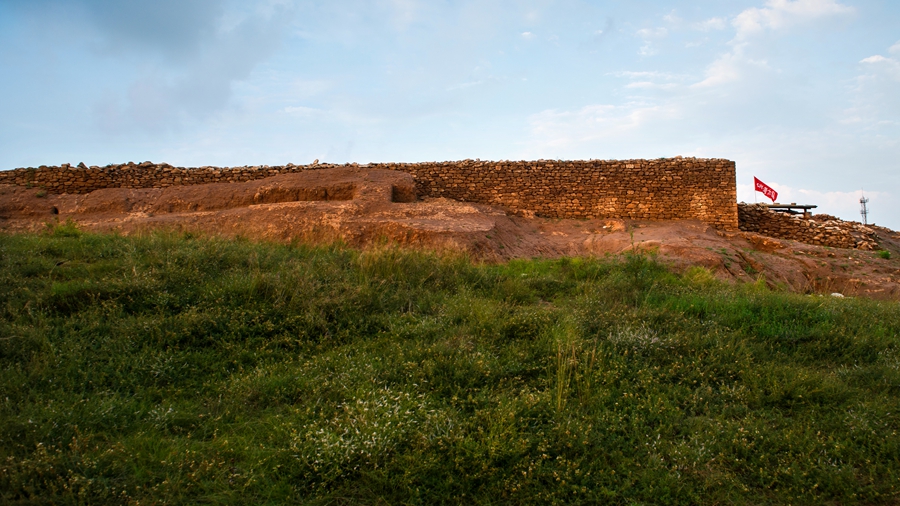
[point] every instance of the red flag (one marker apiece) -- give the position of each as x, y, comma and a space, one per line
765, 189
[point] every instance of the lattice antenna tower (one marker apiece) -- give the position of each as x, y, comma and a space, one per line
863, 209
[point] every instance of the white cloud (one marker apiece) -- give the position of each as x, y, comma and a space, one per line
895, 49
779, 14
874, 59
725, 69
650, 35
876, 103
711, 24
649, 79
776, 15
650, 85
554, 128
880, 66
889, 67
527, 35
676, 22
647, 75
672, 18
847, 201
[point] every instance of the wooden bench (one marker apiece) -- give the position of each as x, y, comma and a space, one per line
792, 208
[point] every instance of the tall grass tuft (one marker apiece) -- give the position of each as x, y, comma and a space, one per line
567, 355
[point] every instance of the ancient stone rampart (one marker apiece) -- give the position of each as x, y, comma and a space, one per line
662, 189
820, 229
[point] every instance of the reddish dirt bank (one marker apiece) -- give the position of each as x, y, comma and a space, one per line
360, 206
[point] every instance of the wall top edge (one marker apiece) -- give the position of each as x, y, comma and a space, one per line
468, 161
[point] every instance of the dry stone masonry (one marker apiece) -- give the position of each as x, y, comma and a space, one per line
663, 189
819, 229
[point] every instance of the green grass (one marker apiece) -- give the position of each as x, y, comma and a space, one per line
180, 370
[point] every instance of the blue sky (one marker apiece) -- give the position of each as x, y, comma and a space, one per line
800, 93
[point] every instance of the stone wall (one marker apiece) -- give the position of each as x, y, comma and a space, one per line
819, 229
664, 189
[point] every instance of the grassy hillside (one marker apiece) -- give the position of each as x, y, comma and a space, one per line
172, 369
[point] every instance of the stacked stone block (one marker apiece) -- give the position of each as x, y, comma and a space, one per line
820, 229
663, 189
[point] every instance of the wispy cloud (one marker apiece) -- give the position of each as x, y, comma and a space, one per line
647, 74
559, 128
650, 36
725, 69
652, 33
711, 24
650, 85
876, 103
672, 18
650, 79
776, 15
